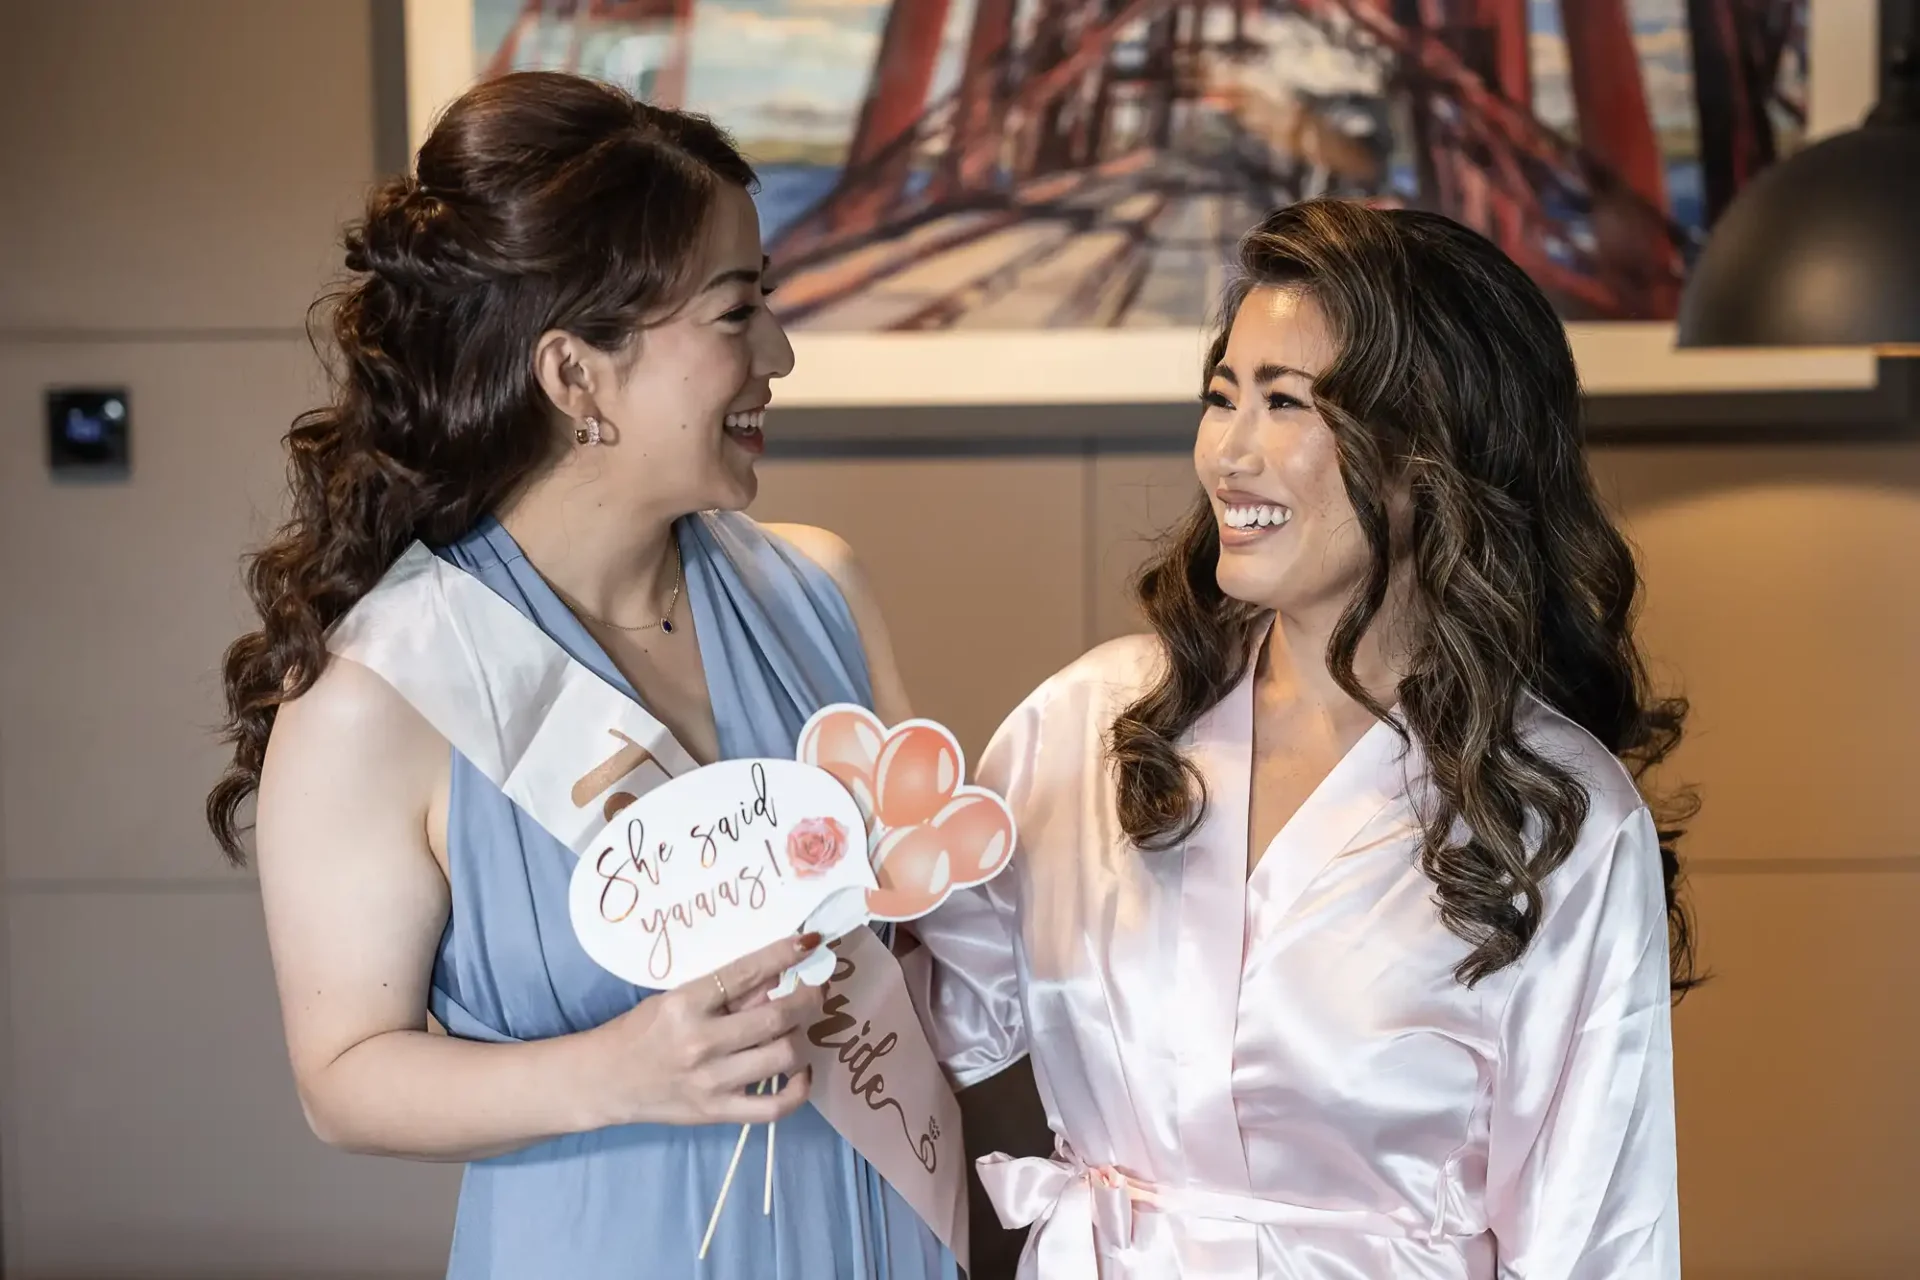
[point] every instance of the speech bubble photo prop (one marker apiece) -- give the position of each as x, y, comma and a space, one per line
714, 864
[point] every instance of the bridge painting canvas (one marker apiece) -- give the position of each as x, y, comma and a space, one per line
1033, 202
1086, 164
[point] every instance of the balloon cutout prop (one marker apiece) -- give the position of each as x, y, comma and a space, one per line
930, 833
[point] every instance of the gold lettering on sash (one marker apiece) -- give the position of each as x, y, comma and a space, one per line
847, 1033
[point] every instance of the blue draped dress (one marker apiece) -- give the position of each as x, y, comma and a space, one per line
778, 642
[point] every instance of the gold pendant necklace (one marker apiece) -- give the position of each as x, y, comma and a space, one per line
665, 624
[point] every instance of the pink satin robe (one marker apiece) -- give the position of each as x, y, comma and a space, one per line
1278, 1075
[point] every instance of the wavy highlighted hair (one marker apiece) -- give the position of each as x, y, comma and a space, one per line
1454, 379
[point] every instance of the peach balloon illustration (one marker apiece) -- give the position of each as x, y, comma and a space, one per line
917, 773
931, 833
966, 843
979, 834
846, 741
915, 870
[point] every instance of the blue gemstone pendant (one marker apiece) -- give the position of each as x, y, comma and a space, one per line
666, 626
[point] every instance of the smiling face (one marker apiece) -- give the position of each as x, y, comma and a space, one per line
683, 406
1288, 537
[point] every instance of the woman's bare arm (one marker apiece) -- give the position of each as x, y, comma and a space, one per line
356, 904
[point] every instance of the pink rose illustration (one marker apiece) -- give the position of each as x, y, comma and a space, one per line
815, 846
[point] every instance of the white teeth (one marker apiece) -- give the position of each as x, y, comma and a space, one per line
749, 420
1254, 517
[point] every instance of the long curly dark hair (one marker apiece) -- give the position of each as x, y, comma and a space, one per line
1454, 379
541, 202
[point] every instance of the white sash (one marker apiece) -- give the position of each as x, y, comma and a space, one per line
568, 748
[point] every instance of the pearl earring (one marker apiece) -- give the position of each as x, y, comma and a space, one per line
588, 432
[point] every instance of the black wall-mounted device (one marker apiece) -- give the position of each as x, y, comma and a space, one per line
89, 431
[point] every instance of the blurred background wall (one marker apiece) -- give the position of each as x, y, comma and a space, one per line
171, 181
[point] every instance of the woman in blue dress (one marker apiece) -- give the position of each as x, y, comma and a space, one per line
554, 362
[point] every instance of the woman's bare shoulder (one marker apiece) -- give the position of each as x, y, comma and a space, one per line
830, 552
351, 738
836, 559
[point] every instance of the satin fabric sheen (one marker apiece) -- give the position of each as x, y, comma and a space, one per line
1278, 1075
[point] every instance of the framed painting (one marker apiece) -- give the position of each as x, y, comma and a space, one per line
1034, 202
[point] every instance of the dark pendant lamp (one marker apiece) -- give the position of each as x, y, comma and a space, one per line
1823, 249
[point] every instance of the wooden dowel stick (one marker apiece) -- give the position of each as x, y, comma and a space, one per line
725, 1187
766, 1199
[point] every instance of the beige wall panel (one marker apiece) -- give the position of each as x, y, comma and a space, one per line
154, 1130
169, 165
121, 597
978, 564
1783, 597
1136, 498
1795, 1074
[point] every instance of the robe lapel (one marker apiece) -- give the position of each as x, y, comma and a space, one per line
1206, 982
1206, 975
1368, 778
1215, 898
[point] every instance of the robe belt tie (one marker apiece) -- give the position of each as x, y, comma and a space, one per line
1072, 1204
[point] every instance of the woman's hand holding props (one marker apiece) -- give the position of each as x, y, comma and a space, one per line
690, 1057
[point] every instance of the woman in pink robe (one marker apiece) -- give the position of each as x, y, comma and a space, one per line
1340, 934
